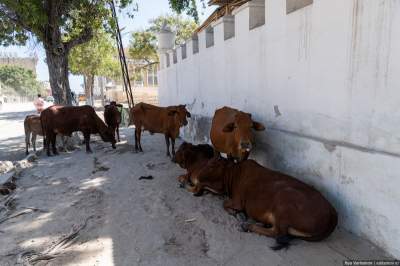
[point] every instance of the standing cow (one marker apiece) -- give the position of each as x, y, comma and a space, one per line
68, 119
32, 126
164, 120
112, 117
231, 132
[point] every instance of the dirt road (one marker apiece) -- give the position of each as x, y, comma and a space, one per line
92, 209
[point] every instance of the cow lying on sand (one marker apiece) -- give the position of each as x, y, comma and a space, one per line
285, 206
32, 127
190, 157
112, 117
164, 120
231, 132
68, 119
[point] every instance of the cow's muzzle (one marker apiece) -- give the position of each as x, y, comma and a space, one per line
245, 146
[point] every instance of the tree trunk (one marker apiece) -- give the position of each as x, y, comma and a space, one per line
57, 62
89, 82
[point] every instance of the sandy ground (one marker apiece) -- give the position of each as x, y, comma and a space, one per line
91, 209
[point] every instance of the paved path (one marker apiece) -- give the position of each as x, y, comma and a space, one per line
12, 136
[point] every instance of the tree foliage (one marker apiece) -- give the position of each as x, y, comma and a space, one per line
98, 57
21, 80
183, 27
60, 25
143, 44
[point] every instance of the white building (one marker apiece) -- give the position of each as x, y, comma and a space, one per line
324, 77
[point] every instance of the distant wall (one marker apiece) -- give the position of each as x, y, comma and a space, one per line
325, 80
28, 63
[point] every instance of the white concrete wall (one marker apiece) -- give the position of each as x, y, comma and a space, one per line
325, 80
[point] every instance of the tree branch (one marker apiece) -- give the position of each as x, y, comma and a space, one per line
85, 36
15, 19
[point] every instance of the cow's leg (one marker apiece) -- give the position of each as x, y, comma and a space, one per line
259, 229
47, 141
27, 136
173, 147
118, 133
34, 141
231, 207
86, 136
167, 143
136, 141
53, 139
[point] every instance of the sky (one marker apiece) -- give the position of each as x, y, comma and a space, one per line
148, 9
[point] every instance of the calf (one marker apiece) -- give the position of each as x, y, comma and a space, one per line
68, 119
112, 117
285, 206
231, 132
32, 126
164, 120
190, 156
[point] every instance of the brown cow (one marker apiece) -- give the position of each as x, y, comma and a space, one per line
112, 117
32, 126
231, 132
68, 119
190, 156
285, 206
165, 120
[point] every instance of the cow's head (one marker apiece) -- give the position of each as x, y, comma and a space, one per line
210, 177
180, 114
182, 154
108, 135
241, 129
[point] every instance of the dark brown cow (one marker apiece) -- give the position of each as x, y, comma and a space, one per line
65, 120
32, 127
164, 120
284, 205
112, 117
231, 132
190, 156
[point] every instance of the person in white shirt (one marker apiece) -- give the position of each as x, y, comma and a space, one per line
39, 104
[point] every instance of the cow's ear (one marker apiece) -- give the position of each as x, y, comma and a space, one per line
188, 114
229, 127
258, 126
172, 112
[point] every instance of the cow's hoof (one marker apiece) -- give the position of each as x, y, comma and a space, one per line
241, 217
4, 191
244, 227
198, 194
89, 152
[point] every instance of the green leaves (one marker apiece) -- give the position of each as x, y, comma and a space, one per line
21, 80
96, 57
143, 45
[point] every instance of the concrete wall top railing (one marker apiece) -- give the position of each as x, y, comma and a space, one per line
323, 76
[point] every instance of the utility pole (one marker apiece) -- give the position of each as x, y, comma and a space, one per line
122, 58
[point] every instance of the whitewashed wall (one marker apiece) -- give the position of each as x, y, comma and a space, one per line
325, 80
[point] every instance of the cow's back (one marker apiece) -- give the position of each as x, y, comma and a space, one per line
68, 119
112, 116
32, 124
149, 117
221, 140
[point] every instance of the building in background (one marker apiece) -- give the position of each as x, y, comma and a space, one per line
9, 59
144, 82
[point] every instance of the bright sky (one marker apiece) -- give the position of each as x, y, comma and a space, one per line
148, 9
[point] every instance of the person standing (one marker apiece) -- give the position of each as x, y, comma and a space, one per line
39, 103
